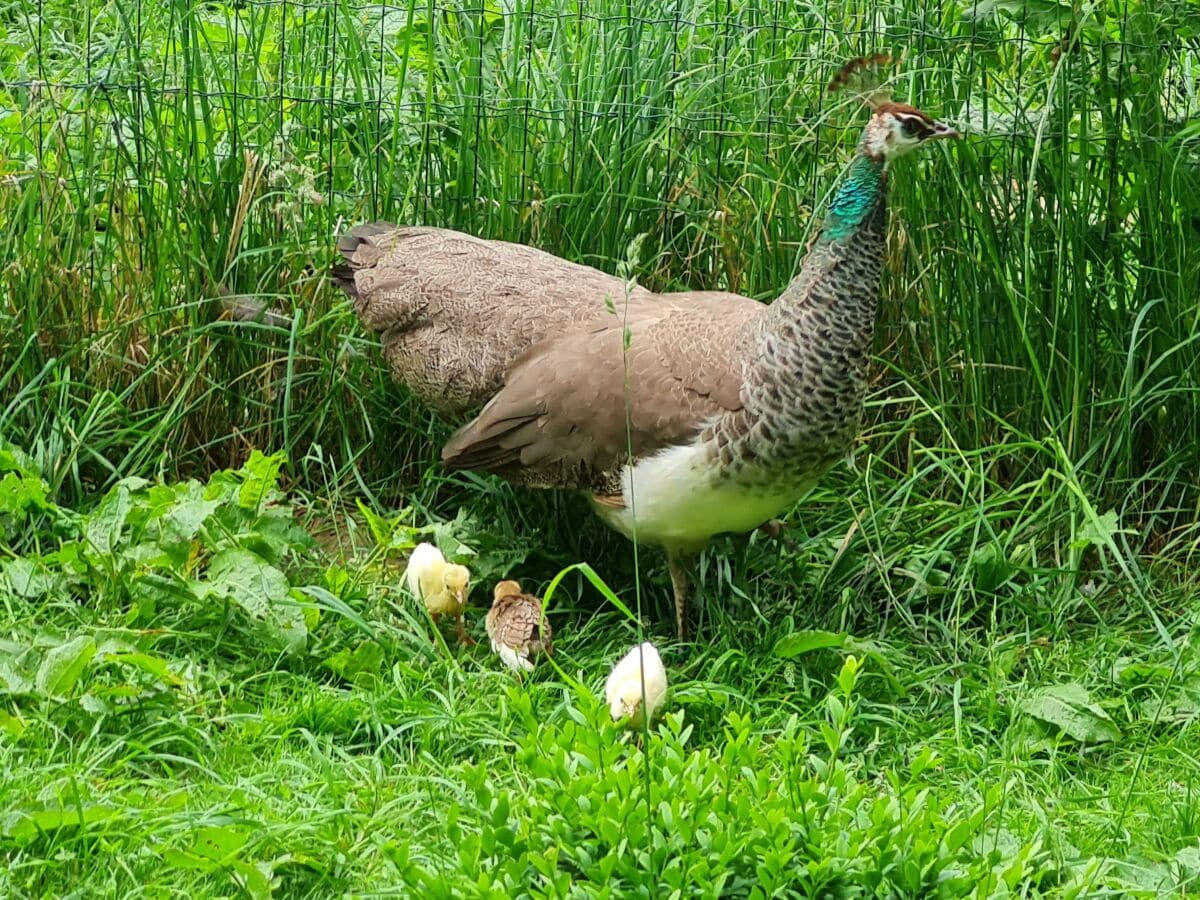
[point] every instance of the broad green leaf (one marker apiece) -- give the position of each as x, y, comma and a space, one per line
27, 578
391, 532
1126, 670
104, 525
153, 555
11, 726
990, 567
182, 522
62, 666
1069, 708
95, 704
151, 665
24, 825
262, 591
361, 666
253, 879
1188, 859
1179, 703
14, 459
12, 679
323, 599
261, 474
800, 642
21, 492
1098, 532
220, 843
445, 535
275, 533
182, 859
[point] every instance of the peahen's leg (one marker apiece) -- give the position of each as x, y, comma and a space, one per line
678, 563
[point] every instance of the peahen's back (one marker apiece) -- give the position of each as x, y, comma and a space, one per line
454, 311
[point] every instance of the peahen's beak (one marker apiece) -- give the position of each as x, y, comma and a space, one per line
941, 131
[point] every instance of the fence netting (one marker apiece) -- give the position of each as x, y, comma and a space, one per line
176, 148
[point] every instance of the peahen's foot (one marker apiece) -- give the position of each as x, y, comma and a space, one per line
776, 530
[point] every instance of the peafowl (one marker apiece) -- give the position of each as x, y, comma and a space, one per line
681, 415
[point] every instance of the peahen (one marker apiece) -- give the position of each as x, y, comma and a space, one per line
713, 414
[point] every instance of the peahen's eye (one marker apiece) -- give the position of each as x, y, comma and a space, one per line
912, 126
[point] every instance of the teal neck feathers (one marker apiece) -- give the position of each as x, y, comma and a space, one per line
855, 198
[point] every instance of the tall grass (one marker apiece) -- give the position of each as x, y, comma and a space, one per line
160, 158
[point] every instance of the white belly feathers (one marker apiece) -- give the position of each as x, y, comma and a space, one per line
679, 501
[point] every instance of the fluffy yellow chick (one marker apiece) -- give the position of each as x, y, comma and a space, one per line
623, 690
516, 627
440, 585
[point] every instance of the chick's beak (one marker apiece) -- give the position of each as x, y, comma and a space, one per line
942, 131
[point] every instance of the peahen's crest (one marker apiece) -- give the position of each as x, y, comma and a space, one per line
865, 78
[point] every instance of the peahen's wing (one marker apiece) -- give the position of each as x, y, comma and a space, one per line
455, 311
574, 409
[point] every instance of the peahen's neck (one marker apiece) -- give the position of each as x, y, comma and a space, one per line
861, 189
806, 376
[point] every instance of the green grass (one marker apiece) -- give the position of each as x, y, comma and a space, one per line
877, 713
1009, 557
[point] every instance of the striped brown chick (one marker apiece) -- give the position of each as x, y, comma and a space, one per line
516, 626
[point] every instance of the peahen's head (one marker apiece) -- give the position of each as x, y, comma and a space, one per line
896, 128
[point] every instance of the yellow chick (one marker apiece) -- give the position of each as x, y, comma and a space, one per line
516, 627
624, 688
440, 585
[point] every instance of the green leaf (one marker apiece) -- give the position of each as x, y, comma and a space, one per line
253, 879
262, 591
182, 859
221, 843
990, 567
362, 666
1069, 708
150, 664
1097, 532
28, 578
14, 459
1126, 670
1182, 704
13, 680
213, 847
446, 537
800, 642
391, 532
104, 525
24, 825
275, 533
20, 492
261, 474
184, 520
11, 726
62, 666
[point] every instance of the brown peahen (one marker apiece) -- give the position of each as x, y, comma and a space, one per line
714, 415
